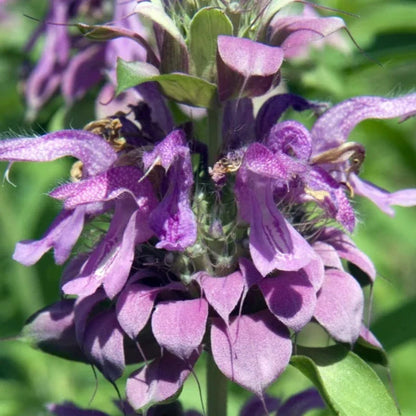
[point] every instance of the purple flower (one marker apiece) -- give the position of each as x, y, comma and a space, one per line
175, 268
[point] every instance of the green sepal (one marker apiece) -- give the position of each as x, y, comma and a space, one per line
180, 87
173, 53
349, 386
205, 27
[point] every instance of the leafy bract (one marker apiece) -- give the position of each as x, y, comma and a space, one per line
180, 87
205, 27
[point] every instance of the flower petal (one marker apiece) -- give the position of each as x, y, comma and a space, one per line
103, 342
347, 250
383, 199
274, 243
94, 152
69, 409
301, 403
52, 329
158, 380
222, 293
107, 186
255, 406
173, 219
179, 326
340, 304
334, 126
272, 109
290, 297
253, 365
109, 264
246, 67
62, 234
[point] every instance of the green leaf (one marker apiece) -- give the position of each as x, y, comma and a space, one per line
388, 17
180, 87
348, 384
395, 328
205, 27
130, 74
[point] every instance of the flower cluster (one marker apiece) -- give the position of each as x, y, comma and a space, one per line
211, 240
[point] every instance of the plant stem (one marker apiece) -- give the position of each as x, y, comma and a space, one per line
214, 139
216, 389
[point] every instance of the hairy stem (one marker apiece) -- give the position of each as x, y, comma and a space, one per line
216, 390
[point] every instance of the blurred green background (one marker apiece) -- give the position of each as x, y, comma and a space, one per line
386, 65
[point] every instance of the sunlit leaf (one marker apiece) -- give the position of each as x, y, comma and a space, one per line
349, 386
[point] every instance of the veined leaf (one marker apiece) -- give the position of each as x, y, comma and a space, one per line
180, 87
205, 27
349, 386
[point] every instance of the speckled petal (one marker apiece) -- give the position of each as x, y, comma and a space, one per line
94, 152
334, 126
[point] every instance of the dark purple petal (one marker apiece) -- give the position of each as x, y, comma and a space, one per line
52, 329
272, 109
94, 152
253, 365
179, 326
290, 138
222, 293
69, 409
83, 309
383, 199
158, 380
347, 250
238, 123
250, 274
301, 403
340, 304
334, 126
290, 297
173, 220
62, 234
103, 342
246, 67
255, 406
